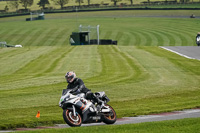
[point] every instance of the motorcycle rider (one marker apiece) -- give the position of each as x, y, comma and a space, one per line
77, 86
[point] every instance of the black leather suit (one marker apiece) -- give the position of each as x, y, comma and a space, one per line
78, 86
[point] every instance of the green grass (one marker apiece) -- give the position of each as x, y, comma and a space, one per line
138, 79
117, 25
175, 126
150, 80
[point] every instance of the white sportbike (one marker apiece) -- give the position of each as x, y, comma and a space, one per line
78, 110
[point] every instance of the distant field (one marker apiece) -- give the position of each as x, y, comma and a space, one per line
138, 76
122, 26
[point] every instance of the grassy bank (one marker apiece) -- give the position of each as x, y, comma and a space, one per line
138, 80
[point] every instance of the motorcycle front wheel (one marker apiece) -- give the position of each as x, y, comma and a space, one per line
110, 118
70, 119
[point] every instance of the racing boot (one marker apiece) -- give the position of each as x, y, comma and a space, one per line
100, 104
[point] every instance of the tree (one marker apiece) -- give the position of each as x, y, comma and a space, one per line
42, 3
88, 2
131, 2
13, 4
184, 1
61, 2
6, 8
79, 1
115, 1
26, 3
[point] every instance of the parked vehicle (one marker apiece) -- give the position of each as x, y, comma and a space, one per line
198, 39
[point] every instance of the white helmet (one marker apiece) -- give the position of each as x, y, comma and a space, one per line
70, 76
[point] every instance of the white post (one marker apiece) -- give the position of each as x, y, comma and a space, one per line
80, 28
98, 34
77, 16
89, 34
89, 27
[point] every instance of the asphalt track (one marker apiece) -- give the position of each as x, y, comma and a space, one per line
150, 118
190, 52
190, 113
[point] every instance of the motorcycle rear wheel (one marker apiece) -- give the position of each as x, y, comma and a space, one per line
110, 118
70, 119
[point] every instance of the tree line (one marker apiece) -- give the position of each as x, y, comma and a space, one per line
42, 3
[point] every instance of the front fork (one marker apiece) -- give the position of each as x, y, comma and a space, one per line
74, 110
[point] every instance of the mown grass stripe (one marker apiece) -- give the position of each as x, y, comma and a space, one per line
119, 35
94, 67
40, 37
5, 32
57, 60
146, 39
112, 72
165, 38
140, 38
48, 38
17, 61
16, 35
190, 37
52, 37
159, 77
131, 39
108, 65
159, 39
181, 38
6, 53
114, 34
11, 35
64, 40
185, 39
170, 40
58, 36
39, 64
177, 61
33, 38
134, 70
137, 39
2, 31
152, 39
22, 35
178, 38
107, 34
176, 30
125, 39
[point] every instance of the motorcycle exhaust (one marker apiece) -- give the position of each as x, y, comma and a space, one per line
105, 110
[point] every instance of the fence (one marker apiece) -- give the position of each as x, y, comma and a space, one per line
98, 7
